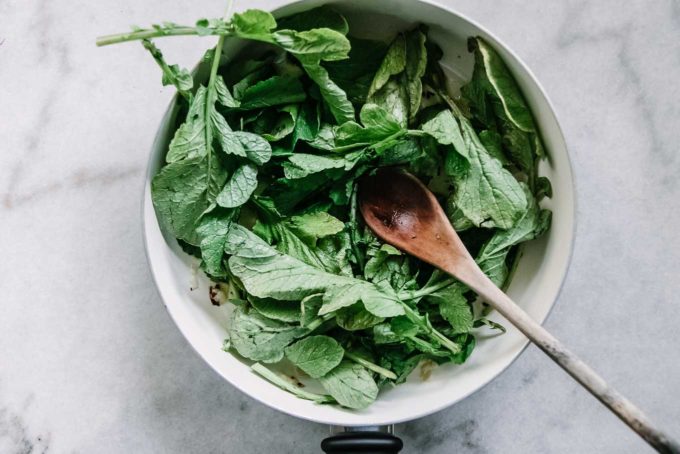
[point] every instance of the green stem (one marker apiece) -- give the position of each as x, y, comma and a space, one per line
445, 341
148, 34
361, 260
158, 57
371, 366
394, 136
210, 104
314, 324
288, 386
420, 321
451, 103
412, 295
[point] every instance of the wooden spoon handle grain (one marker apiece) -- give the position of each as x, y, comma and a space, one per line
615, 401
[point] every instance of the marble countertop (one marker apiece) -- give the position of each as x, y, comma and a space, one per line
91, 362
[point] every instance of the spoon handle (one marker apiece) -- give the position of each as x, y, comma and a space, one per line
612, 399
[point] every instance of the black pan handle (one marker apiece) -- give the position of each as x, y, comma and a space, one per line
363, 443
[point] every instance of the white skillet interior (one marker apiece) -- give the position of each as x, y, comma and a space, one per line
535, 286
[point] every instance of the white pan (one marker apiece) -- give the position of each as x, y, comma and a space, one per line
535, 285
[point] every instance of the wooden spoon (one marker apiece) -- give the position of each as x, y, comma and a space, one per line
403, 212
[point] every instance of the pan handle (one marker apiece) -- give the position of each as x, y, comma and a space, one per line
363, 440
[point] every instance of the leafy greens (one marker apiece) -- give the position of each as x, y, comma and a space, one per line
260, 183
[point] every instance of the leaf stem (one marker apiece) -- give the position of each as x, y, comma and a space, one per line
412, 295
286, 385
210, 106
158, 57
314, 324
371, 366
361, 260
388, 139
422, 322
148, 34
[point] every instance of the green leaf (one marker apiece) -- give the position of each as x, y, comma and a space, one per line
286, 278
252, 72
309, 308
311, 47
312, 226
356, 317
394, 63
493, 142
285, 311
228, 141
321, 17
351, 385
519, 145
504, 85
456, 216
355, 74
533, 223
213, 231
325, 138
378, 301
497, 101
189, 139
289, 243
255, 147
334, 96
307, 123
301, 165
383, 334
454, 307
402, 363
402, 152
469, 343
387, 266
288, 194
178, 201
274, 125
339, 247
340, 296
543, 188
281, 277
315, 355
378, 125
487, 193
224, 96
274, 91
397, 85
244, 243
259, 338
416, 63
445, 130
393, 97
404, 327
253, 22
180, 196
239, 188
322, 44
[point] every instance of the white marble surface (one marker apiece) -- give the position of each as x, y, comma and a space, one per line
89, 359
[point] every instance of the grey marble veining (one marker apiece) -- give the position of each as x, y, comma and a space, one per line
89, 359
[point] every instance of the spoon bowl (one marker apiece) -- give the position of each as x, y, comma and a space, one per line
400, 210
